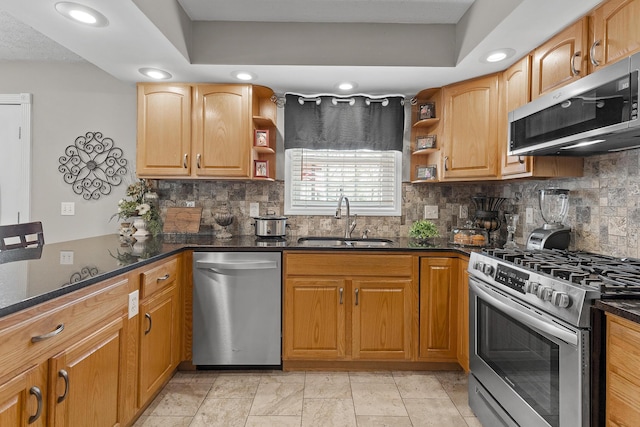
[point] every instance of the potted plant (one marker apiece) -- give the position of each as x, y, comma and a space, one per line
423, 230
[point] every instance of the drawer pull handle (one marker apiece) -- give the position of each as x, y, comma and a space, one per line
148, 316
357, 293
184, 162
520, 160
198, 160
51, 334
65, 376
446, 158
341, 292
35, 391
165, 277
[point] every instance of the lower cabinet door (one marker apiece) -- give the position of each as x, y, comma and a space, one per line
23, 398
158, 344
314, 318
86, 380
381, 318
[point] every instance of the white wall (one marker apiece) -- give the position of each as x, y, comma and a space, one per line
70, 99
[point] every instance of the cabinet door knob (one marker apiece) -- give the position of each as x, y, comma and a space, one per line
184, 162
148, 317
65, 376
35, 391
51, 334
574, 71
592, 53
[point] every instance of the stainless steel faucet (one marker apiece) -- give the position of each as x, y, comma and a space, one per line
348, 228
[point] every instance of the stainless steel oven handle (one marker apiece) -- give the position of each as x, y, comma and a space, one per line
541, 325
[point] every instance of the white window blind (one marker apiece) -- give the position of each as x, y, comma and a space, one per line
315, 179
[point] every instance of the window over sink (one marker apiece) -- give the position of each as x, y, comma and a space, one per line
314, 180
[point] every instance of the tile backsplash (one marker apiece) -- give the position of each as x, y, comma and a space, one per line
604, 207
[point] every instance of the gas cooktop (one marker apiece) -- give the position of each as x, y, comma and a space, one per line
612, 277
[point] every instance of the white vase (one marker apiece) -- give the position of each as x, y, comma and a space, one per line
141, 228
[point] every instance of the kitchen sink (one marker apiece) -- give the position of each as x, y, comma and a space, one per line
344, 242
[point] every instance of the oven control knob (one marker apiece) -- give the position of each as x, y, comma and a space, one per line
531, 287
478, 266
561, 299
544, 293
488, 270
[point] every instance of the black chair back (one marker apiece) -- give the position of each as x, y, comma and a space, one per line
19, 236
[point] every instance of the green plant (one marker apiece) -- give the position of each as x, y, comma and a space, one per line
423, 229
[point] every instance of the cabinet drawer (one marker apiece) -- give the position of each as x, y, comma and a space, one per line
158, 277
348, 264
36, 333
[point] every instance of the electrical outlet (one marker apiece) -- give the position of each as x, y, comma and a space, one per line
464, 212
529, 215
67, 208
134, 301
430, 212
254, 210
190, 204
66, 257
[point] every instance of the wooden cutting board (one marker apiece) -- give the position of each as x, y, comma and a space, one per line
182, 220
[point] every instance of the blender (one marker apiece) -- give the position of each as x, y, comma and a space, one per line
554, 205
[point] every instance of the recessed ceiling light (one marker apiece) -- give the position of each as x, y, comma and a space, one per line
82, 14
498, 55
155, 73
244, 75
347, 85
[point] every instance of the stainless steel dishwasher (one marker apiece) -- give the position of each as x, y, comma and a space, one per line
237, 308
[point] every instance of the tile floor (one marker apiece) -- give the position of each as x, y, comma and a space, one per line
305, 399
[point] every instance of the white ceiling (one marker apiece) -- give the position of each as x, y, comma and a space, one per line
385, 46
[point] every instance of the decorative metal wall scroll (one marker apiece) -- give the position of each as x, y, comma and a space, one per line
93, 165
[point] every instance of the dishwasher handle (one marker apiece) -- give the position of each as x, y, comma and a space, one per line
237, 265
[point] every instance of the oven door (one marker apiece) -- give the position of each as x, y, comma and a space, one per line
533, 367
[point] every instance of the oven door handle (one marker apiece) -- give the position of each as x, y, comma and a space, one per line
540, 324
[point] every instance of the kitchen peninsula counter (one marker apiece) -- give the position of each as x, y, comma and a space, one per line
68, 266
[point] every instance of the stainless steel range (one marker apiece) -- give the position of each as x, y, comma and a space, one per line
530, 332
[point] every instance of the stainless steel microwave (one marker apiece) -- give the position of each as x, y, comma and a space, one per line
593, 115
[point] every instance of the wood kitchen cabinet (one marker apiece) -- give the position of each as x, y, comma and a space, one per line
614, 32
164, 130
348, 307
73, 350
438, 309
159, 330
203, 130
463, 313
515, 91
23, 398
86, 379
561, 59
622, 372
470, 146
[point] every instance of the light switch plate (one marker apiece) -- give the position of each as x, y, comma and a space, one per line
464, 212
430, 212
66, 257
67, 208
134, 301
190, 204
529, 215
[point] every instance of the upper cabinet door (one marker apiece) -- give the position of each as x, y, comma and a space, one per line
560, 60
222, 140
471, 129
515, 91
164, 130
616, 32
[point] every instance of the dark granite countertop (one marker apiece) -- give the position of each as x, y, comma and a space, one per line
627, 309
29, 282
